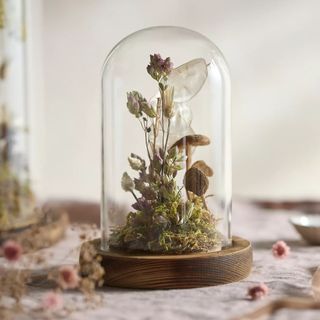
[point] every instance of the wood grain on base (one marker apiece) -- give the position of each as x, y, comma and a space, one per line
177, 271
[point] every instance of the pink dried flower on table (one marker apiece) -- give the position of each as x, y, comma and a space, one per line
280, 250
258, 291
68, 277
12, 250
52, 301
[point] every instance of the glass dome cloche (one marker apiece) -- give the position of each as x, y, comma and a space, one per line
17, 201
166, 165
166, 159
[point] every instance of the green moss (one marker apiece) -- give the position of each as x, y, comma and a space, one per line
170, 229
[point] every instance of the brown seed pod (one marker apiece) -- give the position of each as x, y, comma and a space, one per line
201, 165
196, 181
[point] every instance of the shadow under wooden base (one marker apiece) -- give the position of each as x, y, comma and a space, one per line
177, 271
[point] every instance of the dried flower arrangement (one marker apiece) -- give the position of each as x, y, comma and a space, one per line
163, 221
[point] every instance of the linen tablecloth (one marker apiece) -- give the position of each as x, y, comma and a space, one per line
290, 276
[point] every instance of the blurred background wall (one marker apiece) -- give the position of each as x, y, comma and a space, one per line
273, 50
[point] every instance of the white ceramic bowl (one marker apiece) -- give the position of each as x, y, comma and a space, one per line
308, 226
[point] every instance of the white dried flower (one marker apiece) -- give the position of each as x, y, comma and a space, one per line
127, 183
136, 163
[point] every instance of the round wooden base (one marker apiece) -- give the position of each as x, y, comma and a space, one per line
46, 232
177, 271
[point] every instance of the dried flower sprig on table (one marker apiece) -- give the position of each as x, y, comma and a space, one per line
18, 273
162, 220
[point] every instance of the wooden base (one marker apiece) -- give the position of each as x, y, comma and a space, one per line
46, 232
177, 271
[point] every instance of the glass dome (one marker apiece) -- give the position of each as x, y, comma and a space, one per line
166, 161
16, 196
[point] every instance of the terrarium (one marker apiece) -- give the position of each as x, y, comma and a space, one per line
166, 158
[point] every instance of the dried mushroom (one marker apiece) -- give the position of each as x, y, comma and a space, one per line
196, 181
201, 165
189, 141
194, 140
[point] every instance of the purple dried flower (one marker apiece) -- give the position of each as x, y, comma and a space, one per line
142, 205
158, 67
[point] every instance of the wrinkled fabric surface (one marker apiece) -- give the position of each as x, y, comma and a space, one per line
287, 277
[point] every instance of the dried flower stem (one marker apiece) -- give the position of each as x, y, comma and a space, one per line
168, 133
145, 138
136, 198
164, 139
156, 125
162, 120
166, 145
188, 165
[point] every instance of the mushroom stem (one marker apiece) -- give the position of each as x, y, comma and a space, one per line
188, 154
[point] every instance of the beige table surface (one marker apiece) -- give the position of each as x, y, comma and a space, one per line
284, 277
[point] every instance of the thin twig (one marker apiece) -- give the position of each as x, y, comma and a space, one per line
156, 126
168, 133
283, 303
138, 201
146, 139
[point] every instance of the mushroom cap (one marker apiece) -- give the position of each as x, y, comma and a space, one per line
196, 181
193, 140
201, 165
